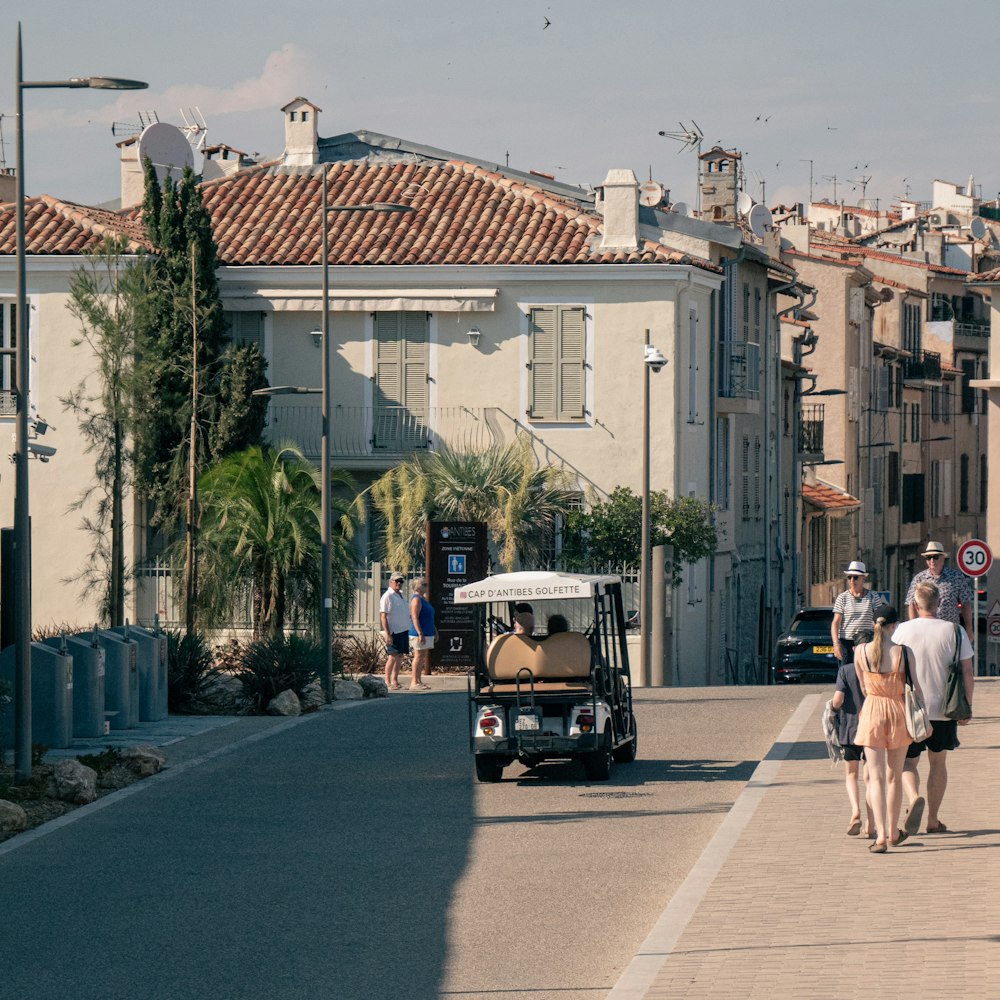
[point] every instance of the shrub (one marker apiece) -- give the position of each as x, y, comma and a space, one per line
269, 666
103, 762
42, 632
361, 653
191, 672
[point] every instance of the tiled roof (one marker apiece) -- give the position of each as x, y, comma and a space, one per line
463, 214
60, 227
868, 253
828, 497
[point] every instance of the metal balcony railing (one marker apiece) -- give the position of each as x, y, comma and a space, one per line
385, 431
976, 328
923, 365
739, 369
811, 430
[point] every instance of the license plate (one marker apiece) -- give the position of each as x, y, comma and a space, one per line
822, 649
527, 723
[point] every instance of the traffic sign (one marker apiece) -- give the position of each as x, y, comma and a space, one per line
975, 558
994, 628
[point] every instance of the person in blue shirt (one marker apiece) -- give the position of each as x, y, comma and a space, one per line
421, 633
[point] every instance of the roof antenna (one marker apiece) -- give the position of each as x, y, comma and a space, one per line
689, 137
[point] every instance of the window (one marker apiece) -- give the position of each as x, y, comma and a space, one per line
877, 486
893, 479
963, 484
245, 328
756, 479
557, 347
722, 463
915, 422
982, 483
746, 478
692, 366
8, 339
884, 391
402, 346
968, 393
913, 497
912, 338
940, 488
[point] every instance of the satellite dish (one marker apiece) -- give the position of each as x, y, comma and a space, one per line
978, 228
651, 194
167, 148
681, 208
744, 203
760, 221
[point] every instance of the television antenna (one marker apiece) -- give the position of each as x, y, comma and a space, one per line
3, 154
146, 118
690, 137
832, 177
761, 183
863, 183
196, 128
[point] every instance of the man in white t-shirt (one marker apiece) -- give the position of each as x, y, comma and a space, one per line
394, 615
932, 643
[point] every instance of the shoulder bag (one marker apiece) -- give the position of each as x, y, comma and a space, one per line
917, 723
955, 705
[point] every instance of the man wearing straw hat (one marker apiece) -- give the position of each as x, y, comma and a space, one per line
954, 589
853, 613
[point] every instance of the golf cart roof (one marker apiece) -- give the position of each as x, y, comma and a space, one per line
532, 587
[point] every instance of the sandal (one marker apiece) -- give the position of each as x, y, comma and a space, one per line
855, 828
878, 848
940, 828
901, 835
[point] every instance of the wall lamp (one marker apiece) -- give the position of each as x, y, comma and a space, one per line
474, 333
317, 338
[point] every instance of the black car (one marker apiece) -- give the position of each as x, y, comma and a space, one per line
805, 651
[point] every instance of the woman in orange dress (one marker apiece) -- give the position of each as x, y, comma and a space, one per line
882, 727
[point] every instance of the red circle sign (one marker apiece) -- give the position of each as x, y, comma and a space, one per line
975, 558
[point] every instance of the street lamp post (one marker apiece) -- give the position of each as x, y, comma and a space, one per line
653, 361
22, 517
326, 588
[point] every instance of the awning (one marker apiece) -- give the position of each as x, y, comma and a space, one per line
829, 498
365, 300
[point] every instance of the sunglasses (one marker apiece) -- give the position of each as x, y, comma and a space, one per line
933, 558
854, 576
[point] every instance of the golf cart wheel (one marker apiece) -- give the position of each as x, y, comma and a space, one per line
597, 764
489, 768
626, 753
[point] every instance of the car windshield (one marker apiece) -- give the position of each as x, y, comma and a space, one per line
812, 625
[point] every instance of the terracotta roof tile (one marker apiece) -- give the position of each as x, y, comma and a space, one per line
828, 497
60, 227
463, 214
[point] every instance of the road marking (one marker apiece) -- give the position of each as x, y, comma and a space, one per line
30, 836
640, 973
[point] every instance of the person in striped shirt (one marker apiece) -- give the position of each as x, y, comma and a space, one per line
853, 613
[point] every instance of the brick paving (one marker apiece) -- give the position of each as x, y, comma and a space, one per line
800, 910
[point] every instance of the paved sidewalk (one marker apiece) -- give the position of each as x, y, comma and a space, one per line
787, 906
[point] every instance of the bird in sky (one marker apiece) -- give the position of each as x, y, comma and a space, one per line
547, 23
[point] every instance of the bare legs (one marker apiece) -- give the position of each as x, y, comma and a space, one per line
392, 662
420, 658
937, 783
885, 768
853, 796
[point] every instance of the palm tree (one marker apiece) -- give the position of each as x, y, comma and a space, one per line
502, 486
261, 523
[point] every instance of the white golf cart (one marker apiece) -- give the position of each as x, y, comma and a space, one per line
565, 695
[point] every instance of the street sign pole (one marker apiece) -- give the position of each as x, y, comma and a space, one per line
974, 559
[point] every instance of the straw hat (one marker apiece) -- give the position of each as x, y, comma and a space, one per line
934, 549
856, 568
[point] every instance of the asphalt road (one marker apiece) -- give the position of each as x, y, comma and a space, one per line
353, 855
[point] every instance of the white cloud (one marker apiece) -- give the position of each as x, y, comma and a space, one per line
288, 72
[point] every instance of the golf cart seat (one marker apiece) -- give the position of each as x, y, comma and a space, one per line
562, 661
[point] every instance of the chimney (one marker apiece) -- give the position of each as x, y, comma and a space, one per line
301, 136
133, 182
8, 185
620, 205
222, 161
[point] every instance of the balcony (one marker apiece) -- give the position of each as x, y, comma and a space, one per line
811, 430
923, 365
976, 328
385, 433
739, 369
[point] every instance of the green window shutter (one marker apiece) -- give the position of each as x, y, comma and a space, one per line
572, 347
402, 398
543, 363
388, 360
415, 394
558, 352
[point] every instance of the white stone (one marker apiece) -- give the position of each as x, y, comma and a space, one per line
144, 760
286, 703
73, 782
348, 691
312, 696
12, 817
373, 687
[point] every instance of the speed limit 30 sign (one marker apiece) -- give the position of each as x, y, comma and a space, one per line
975, 558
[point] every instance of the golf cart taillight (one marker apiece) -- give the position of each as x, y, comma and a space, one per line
585, 721
488, 724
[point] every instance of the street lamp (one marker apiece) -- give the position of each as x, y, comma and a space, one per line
326, 589
653, 361
22, 518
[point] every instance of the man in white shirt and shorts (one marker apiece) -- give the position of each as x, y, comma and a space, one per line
932, 644
395, 618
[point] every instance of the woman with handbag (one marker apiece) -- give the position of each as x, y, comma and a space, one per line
882, 727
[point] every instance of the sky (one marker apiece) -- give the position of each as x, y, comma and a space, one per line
883, 95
